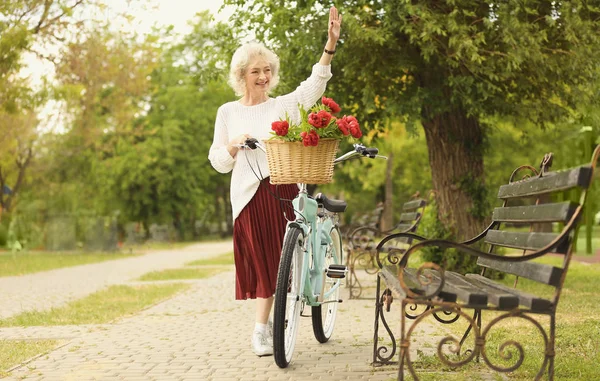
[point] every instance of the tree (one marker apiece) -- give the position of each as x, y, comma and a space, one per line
163, 175
17, 138
103, 80
24, 27
450, 65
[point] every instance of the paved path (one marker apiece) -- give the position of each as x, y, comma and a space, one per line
200, 334
41, 291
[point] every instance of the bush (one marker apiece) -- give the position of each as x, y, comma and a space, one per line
431, 227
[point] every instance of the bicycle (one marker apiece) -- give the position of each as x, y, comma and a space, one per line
310, 268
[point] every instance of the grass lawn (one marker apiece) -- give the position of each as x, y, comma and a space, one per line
577, 332
202, 268
223, 259
31, 262
100, 307
581, 240
15, 352
185, 273
154, 246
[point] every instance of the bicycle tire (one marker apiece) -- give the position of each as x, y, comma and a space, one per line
323, 321
286, 314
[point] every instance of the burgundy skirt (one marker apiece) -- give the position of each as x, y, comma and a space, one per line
257, 239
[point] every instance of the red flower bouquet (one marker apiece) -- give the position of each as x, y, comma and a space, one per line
319, 122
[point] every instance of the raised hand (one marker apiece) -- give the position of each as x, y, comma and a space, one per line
335, 24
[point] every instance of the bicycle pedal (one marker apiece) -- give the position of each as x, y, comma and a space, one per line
336, 271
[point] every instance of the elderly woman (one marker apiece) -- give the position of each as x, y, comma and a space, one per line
259, 221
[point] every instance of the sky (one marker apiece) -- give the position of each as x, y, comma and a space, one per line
147, 15
169, 12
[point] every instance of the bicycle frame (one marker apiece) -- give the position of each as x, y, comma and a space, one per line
315, 281
316, 232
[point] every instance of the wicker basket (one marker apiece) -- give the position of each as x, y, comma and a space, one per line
292, 162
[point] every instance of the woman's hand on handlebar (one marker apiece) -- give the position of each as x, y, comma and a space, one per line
234, 145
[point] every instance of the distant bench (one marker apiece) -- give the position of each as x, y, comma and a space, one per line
362, 242
447, 296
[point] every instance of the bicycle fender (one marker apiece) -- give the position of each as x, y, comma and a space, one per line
295, 224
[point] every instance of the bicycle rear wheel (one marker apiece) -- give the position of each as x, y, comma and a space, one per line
323, 316
288, 297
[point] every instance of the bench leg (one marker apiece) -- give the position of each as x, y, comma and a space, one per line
353, 285
404, 344
361, 258
550, 351
379, 357
477, 318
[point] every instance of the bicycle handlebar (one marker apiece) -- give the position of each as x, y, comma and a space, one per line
359, 149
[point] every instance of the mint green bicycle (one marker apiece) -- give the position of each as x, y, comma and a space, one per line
311, 267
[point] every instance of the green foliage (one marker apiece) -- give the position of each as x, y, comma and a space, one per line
451, 66
164, 175
530, 60
141, 116
361, 182
478, 192
431, 227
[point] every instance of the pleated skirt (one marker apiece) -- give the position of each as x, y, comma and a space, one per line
257, 240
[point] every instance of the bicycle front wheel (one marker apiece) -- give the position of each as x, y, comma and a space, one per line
323, 316
288, 297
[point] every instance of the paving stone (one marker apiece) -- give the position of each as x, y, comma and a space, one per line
201, 334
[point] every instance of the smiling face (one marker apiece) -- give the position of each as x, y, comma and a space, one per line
258, 76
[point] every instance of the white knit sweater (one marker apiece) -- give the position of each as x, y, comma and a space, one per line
234, 119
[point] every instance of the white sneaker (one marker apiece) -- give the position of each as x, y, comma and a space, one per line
261, 344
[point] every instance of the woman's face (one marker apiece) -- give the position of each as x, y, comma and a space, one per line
258, 76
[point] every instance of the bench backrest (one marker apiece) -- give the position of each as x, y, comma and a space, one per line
372, 218
365, 237
533, 202
412, 212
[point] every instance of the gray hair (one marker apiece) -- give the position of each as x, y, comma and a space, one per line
240, 61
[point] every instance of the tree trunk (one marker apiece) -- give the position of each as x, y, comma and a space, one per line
455, 149
387, 218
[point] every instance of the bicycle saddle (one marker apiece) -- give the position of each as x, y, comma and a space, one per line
335, 206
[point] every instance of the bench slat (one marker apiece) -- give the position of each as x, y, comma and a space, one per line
524, 240
410, 278
530, 301
468, 294
500, 298
409, 216
403, 227
389, 274
535, 271
412, 205
551, 182
555, 212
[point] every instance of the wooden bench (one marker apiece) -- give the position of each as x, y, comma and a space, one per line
447, 296
362, 242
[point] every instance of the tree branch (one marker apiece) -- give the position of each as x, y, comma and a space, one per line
55, 19
22, 165
47, 5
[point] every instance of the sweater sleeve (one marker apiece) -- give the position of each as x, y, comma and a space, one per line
218, 155
309, 91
